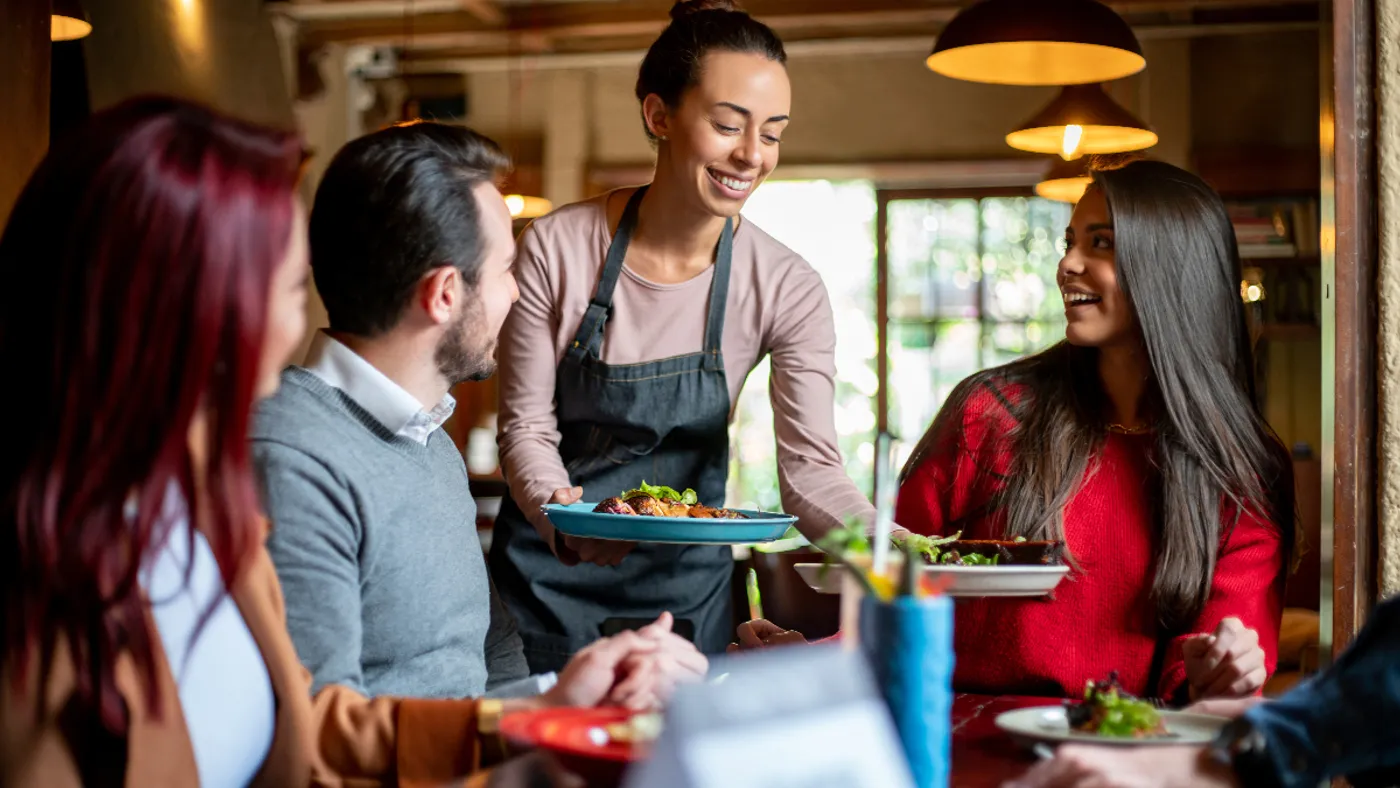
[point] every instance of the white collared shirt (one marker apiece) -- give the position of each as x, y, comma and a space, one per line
400, 412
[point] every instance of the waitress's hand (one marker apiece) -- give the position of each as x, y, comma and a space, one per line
1228, 663
570, 550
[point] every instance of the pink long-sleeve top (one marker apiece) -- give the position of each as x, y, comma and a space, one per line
777, 305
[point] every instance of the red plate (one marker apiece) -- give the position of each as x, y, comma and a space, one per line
565, 734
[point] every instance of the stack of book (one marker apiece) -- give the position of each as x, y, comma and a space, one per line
1275, 229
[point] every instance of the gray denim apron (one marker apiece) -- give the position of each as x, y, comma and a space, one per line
663, 421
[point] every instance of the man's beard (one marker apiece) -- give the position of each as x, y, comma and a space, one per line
465, 352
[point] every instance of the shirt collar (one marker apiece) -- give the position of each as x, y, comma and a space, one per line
389, 403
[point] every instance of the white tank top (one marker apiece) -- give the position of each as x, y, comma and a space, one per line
225, 692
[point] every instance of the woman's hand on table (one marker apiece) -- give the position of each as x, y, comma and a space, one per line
572, 550
1076, 766
649, 679
1228, 663
635, 669
762, 633
588, 679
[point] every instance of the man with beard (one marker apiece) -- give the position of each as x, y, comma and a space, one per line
373, 526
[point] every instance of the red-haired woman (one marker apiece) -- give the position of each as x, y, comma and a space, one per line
154, 277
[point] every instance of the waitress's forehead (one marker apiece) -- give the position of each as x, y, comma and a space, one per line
743, 81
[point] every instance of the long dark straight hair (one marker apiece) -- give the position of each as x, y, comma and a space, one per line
1178, 265
137, 264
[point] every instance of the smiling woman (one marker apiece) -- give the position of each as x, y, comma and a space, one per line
659, 301
1137, 442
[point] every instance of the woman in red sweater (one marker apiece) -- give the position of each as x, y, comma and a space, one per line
1136, 441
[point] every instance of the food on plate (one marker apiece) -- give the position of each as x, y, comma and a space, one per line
1109, 711
637, 729
659, 501
955, 551
614, 506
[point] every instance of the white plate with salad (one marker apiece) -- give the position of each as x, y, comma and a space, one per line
963, 568
961, 581
1107, 715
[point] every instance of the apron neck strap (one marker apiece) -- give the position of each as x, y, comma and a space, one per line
719, 297
590, 329
591, 326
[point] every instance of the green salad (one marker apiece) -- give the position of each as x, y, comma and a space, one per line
1109, 711
663, 493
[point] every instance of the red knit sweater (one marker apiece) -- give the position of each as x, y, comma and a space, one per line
1101, 617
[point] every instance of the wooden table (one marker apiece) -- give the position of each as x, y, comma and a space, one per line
983, 755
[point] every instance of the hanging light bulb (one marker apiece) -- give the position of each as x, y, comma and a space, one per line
68, 21
1069, 146
1082, 119
1037, 42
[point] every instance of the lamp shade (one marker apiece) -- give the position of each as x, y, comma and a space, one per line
1082, 119
68, 21
1065, 181
1037, 42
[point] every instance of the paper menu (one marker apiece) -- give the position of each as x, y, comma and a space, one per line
807, 717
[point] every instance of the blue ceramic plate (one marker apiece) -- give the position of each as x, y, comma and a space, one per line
579, 519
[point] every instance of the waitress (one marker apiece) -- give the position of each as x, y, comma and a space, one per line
641, 313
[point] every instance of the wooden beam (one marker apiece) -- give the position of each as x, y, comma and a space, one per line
480, 53
626, 19
484, 10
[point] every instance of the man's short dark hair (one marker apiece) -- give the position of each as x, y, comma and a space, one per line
392, 206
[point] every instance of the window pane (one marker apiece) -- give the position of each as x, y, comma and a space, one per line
832, 225
933, 266
1020, 255
1006, 342
926, 361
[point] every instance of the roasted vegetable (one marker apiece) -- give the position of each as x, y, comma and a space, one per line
614, 506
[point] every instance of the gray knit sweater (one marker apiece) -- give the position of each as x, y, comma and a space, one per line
374, 540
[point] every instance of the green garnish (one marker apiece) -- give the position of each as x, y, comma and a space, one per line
1019, 539
930, 546
663, 493
977, 559
1125, 717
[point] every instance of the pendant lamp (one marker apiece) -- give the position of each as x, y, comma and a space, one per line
1082, 119
1065, 181
1037, 42
68, 21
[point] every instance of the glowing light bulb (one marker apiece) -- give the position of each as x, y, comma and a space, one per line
1069, 147
516, 204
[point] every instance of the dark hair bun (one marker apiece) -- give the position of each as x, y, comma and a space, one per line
685, 8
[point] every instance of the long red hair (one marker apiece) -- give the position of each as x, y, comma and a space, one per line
134, 277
